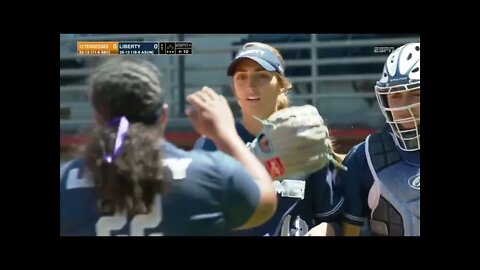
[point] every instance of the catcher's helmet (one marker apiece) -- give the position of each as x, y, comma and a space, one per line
401, 73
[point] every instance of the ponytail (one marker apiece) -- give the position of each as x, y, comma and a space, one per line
126, 167
282, 101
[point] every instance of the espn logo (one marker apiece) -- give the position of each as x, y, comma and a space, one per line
383, 49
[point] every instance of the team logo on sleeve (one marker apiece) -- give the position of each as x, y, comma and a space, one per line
275, 167
414, 181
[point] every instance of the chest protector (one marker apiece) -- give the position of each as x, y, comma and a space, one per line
394, 197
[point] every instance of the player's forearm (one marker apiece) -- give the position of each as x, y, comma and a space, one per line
235, 147
267, 203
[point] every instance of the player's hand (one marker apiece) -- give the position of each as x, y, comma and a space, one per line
210, 114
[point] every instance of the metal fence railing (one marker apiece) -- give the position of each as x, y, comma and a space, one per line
335, 75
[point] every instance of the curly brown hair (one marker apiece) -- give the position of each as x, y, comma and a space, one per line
127, 88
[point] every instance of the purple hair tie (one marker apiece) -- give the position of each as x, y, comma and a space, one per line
121, 133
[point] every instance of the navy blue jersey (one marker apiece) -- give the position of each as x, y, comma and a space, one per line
389, 182
303, 202
355, 184
202, 199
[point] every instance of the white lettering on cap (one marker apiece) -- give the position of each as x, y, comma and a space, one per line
251, 52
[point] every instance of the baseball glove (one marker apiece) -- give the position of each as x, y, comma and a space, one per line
294, 141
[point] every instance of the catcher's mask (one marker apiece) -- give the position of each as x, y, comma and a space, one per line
401, 73
265, 57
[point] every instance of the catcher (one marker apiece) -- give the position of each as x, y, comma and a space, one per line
306, 190
382, 185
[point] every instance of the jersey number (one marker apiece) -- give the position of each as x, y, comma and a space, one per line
139, 223
300, 227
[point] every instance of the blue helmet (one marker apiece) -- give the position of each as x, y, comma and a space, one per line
401, 73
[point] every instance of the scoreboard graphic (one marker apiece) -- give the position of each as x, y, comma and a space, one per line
134, 47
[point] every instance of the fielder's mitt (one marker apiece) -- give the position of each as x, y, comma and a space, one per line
294, 141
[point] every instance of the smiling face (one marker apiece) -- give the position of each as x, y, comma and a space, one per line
407, 114
256, 89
